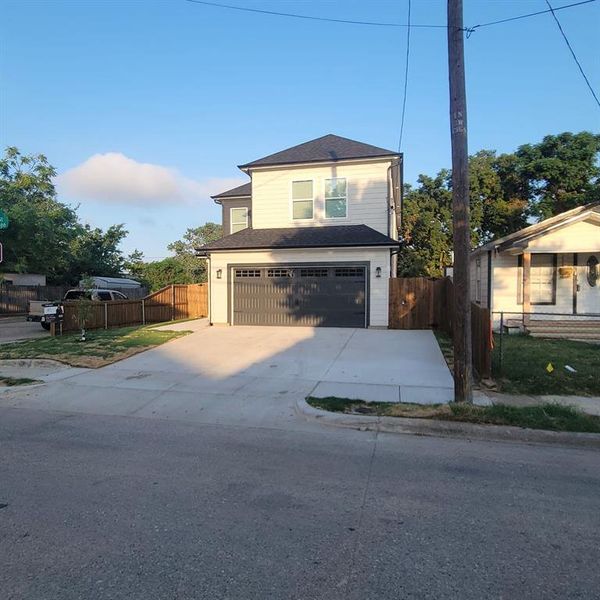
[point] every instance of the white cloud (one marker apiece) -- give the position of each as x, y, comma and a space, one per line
116, 178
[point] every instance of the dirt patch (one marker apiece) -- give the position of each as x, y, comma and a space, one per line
95, 362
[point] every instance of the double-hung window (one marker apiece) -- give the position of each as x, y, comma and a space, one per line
543, 279
336, 198
239, 219
302, 200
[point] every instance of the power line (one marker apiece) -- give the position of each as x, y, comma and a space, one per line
405, 79
527, 15
587, 81
469, 30
312, 17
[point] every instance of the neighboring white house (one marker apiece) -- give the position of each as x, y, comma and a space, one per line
31, 279
549, 271
311, 239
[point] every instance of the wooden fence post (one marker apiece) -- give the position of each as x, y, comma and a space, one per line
106, 315
173, 302
143, 312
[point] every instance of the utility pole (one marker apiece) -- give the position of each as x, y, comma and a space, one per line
460, 204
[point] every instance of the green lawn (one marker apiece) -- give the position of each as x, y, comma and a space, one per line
524, 362
102, 346
552, 417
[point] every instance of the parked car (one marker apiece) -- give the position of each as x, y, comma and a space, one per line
36, 307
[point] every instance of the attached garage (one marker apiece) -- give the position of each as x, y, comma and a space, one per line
331, 276
307, 295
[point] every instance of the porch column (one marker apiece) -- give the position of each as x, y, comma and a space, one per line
526, 287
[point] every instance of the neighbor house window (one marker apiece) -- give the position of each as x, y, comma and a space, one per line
239, 219
543, 279
336, 199
478, 280
302, 199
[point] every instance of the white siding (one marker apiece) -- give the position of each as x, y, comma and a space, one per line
583, 236
378, 302
367, 195
483, 300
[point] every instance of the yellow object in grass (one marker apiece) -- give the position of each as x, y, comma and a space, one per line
549, 367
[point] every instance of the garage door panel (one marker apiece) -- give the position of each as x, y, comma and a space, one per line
312, 296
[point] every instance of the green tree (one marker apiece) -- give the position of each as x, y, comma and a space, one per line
160, 273
45, 235
560, 173
426, 231
185, 250
97, 252
41, 229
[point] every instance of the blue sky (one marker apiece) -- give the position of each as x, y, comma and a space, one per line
145, 107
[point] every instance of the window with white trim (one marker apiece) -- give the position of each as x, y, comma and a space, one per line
336, 198
302, 200
239, 219
543, 279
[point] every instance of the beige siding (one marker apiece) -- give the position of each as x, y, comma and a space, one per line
378, 303
505, 286
367, 195
583, 236
483, 279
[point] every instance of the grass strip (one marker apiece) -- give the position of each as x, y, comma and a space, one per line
551, 417
102, 346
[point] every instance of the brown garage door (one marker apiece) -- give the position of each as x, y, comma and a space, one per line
318, 296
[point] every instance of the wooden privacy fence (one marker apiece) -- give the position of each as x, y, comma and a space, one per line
428, 303
14, 299
168, 304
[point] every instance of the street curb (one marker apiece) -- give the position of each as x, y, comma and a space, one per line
450, 429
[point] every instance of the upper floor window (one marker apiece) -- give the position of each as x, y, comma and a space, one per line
336, 199
302, 199
239, 219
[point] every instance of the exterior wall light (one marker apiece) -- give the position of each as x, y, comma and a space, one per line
219, 273
378, 272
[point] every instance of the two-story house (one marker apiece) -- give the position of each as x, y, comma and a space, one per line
311, 239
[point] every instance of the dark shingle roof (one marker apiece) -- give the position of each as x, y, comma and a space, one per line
324, 149
241, 190
301, 237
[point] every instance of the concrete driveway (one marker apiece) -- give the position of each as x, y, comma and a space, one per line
17, 328
251, 375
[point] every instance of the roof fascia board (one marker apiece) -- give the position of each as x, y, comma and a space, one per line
310, 163
543, 231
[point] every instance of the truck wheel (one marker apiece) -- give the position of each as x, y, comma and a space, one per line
46, 326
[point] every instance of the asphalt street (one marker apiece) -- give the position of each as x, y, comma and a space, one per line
99, 507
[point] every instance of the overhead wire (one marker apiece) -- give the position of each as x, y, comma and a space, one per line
469, 30
585, 78
407, 62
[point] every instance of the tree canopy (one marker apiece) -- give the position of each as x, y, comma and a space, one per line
184, 267
507, 192
45, 235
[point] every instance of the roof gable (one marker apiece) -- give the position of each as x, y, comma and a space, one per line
328, 148
538, 229
242, 191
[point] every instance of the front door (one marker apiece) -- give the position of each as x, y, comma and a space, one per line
588, 283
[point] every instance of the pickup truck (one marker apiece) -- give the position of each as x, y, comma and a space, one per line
36, 307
